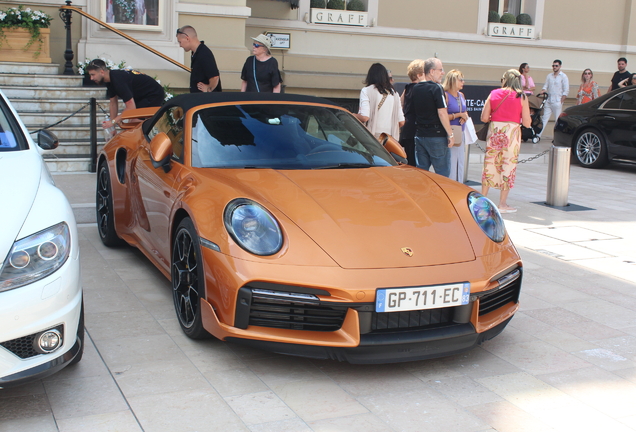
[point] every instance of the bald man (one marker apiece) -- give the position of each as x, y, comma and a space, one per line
205, 74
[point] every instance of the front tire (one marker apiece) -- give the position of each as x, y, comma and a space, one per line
188, 284
590, 149
104, 208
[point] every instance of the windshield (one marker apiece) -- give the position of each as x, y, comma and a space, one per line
10, 136
282, 136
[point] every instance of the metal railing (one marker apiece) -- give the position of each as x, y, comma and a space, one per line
65, 15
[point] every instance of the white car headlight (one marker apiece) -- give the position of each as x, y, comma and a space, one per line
35, 257
252, 227
487, 216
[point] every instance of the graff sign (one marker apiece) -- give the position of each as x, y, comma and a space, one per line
332, 16
511, 30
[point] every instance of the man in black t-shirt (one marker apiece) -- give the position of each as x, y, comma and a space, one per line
137, 90
204, 76
434, 136
621, 74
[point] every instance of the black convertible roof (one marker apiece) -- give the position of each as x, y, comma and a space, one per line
191, 100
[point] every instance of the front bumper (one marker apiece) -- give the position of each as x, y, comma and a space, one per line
42, 370
52, 302
389, 347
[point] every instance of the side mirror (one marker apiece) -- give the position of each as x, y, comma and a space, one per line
393, 146
47, 140
160, 150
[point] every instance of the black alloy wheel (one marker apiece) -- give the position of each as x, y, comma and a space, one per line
590, 149
187, 280
104, 208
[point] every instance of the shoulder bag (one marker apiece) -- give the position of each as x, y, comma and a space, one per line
457, 129
482, 133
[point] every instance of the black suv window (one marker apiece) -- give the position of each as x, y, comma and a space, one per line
614, 103
629, 100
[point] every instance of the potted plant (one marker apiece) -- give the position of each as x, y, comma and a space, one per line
339, 12
24, 35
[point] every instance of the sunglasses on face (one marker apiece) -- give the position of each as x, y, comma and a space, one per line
555, 66
257, 45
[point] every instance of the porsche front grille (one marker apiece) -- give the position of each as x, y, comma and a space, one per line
293, 311
499, 298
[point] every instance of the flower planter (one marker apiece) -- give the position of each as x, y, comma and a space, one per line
16, 38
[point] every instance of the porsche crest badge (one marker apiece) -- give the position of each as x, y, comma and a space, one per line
407, 251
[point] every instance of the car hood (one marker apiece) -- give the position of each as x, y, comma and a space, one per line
367, 218
20, 173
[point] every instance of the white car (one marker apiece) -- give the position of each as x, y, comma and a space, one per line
41, 308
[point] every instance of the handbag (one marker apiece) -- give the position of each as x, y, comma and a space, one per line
457, 129
482, 133
457, 135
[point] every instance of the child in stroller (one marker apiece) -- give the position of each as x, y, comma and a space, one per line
536, 111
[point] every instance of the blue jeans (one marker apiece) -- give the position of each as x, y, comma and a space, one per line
433, 151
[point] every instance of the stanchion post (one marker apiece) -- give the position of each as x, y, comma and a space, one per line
466, 161
558, 177
93, 163
65, 16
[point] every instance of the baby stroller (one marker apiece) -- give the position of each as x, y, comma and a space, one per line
536, 111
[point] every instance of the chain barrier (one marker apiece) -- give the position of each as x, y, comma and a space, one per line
530, 159
61, 121
102, 109
68, 117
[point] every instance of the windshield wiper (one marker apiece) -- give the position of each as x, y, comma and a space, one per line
346, 165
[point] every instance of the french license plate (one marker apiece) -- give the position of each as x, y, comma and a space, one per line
428, 297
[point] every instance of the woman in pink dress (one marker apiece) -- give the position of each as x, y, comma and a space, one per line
588, 90
506, 109
527, 83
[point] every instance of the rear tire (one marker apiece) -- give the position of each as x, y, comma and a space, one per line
590, 149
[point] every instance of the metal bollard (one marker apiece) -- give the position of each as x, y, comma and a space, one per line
558, 177
466, 160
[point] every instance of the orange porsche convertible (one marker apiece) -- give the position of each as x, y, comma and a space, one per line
284, 224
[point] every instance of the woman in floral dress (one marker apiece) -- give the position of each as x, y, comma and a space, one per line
506, 109
588, 90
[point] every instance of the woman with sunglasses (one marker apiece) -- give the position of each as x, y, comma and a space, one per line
260, 71
457, 114
588, 90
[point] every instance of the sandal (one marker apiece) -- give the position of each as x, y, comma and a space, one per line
508, 210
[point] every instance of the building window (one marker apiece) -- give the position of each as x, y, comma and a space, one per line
505, 6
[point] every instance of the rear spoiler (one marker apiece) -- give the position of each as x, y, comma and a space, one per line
132, 118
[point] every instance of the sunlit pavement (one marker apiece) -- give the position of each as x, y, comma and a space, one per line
565, 362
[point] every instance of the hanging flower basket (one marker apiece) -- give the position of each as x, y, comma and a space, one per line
24, 35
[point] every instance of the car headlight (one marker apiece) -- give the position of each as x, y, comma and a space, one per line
35, 257
487, 216
253, 227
